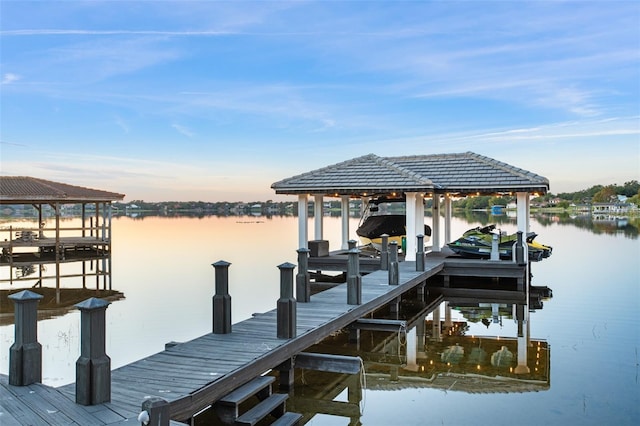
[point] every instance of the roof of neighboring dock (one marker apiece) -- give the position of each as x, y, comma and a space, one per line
25, 189
462, 173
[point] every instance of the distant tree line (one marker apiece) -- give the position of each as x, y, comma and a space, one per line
594, 194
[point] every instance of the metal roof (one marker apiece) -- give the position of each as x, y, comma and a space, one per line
462, 173
25, 189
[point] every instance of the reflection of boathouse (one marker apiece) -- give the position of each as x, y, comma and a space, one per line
35, 253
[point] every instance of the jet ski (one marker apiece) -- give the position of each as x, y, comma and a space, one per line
476, 243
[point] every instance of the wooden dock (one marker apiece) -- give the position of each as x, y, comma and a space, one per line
193, 375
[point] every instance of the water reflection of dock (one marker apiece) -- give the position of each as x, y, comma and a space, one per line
55, 302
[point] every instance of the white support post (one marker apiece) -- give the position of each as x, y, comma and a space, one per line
522, 367
344, 204
522, 219
318, 205
522, 312
420, 216
436, 332
522, 200
303, 217
447, 218
410, 226
412, 350
435, 227
447, 315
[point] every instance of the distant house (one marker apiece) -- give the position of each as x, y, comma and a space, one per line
583, 208
610, 208
554, 201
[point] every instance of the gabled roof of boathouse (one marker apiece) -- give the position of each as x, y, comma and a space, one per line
27, 190
461, 173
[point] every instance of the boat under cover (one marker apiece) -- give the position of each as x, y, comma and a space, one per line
372, 228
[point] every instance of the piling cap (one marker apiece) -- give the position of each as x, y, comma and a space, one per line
92, 303
286, 265
25, 295
220, 263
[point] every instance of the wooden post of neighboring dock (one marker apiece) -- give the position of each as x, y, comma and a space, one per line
157, 411
384, 253
222, 299
93, 368
303, 283
420, 253
354, 280
286, 303
394, 273
25, 355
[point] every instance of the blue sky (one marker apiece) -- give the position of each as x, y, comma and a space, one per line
216, 100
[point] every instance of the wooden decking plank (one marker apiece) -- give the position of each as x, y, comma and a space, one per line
164, 361
13, 408
174, 380
164, 384
78, 413
44, 411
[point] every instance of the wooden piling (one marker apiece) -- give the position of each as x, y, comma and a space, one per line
354, 280
93, 368
520, 259
222, 299
303, 282
25, 355
394, 271
420, 253
158, 411
384, 252
286, 306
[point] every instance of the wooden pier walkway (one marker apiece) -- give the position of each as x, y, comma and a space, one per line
193, 375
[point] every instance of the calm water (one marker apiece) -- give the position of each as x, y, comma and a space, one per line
163, 267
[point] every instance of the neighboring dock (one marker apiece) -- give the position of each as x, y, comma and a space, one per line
188, 377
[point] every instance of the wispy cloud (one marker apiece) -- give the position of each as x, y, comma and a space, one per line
120, 122
67, 32
560, 132
183, 130
9, 78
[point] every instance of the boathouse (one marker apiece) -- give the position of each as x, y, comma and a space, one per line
24, 247
440, 177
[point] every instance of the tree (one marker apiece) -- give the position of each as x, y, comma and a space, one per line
605, 194
630, 189
635, 199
